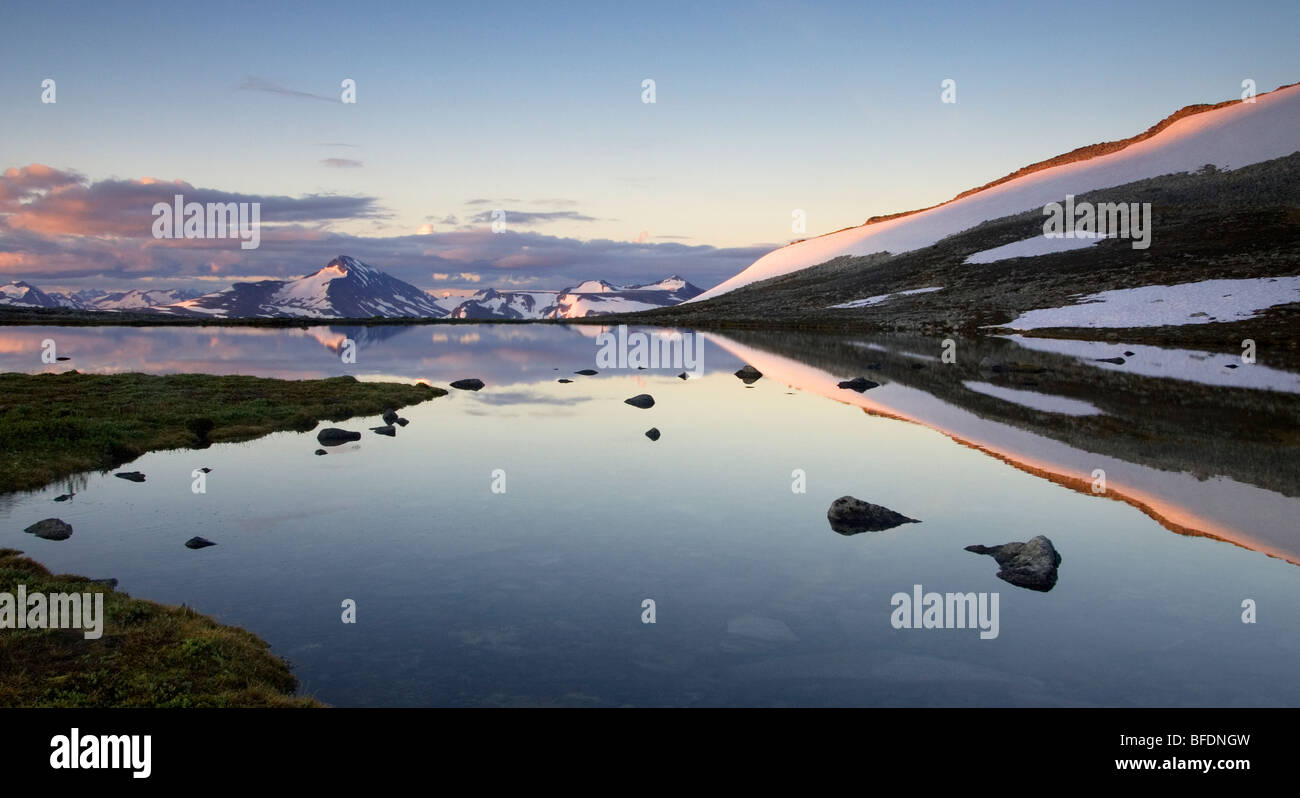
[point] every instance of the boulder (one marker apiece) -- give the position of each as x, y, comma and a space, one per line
50, 529
197, 542
749, 374
587, 372
133, 476
320, 452
390, 416
652, 433
472, 384
849, 516
387, 429
1029, 565
333, 436
859, 384
641, 400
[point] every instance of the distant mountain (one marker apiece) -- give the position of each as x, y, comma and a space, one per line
21, 293
131, 300
493, 304
588, 298
344, 288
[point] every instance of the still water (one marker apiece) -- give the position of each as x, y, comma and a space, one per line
533, 593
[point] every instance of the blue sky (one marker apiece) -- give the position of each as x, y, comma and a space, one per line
761, 109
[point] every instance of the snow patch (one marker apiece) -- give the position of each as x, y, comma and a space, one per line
1034, 400
1039, 245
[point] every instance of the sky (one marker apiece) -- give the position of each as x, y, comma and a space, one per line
761, 111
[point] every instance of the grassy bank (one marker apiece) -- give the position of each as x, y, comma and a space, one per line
150, 655
54, 425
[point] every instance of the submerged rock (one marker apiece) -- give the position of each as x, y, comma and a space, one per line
197, 542
50, 529
849, 516
769, 630
472, 384
1030, 565
387, 429
133, 476
749, 374
652, 433
641, 400
859, 384
64, 497
333, 436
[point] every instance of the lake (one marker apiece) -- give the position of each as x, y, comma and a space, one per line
501, 547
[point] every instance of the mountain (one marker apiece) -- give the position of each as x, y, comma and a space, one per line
588, 298
344, 288
493, 304
131, 300
1229, 135
21, 293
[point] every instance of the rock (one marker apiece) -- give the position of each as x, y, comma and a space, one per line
652, 433
472, 384
401, 422
62, 358
64, 497
859, 384
206, 470
587, 372
50, 529
682, 376
197, 542
134, 476
1030, 565
641, 400
749, 374
321, 452
1118, 361
333, 436
387, 429
1231, 366
1129, 354
849, 516
564, 381
390, 416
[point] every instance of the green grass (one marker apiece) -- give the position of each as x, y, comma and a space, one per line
54, 425
150, 655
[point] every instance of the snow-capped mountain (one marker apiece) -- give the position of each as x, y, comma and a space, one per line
344, 288
22, 293
493, 304
1230, 135
132, 300
588, 298
599, 298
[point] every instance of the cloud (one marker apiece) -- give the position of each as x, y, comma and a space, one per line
252, 83
533, 217
56, 225
341, 163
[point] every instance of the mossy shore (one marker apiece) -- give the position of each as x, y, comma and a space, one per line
54, 425
150, 655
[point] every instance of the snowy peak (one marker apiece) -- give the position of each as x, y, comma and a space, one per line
344, 288
1230, 135
22, 293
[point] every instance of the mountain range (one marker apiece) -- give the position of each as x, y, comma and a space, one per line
347, 288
